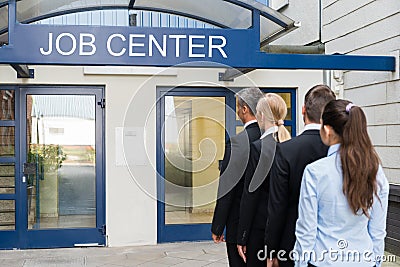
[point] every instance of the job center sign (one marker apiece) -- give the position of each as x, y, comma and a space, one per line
92, 45
137, 45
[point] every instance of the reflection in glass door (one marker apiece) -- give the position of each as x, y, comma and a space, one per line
61, 175
192, 131
194, 141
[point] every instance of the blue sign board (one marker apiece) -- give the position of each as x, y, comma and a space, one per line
95, 45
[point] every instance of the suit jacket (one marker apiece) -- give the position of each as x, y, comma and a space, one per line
286, 174
232, 168
254, 203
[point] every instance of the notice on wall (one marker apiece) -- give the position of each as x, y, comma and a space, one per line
129, 146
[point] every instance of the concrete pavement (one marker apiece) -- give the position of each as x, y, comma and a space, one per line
191, 254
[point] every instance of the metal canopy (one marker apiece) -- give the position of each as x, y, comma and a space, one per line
236, 44
232, 14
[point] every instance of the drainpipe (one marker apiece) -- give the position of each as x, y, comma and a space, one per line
327, 74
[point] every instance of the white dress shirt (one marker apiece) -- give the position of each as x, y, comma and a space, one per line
270, 130
312, 126
248, 123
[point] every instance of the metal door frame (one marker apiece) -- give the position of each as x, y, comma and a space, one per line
10, 238
51, 238
182, 232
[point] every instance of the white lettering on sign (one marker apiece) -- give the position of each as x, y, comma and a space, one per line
163, 50
73, 48
177, 43
90, 44
193, 45
220, 47
50, 47
109, 40
137, 45
132, 44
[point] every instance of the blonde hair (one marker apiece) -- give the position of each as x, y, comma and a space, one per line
274, 110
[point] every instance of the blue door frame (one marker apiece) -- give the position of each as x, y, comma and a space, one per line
196, 232
10, 238
23, 238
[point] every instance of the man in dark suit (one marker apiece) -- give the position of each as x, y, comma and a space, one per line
291, 158
233, 166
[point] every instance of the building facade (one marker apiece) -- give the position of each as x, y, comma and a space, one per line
145, 169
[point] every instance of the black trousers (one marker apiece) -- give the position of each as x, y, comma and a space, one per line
233, 256
287, 263
255, 243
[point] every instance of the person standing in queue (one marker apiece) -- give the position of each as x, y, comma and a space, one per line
271, 112
286, 173
232, 168
343, 197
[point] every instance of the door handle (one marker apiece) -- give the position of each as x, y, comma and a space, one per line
24, 179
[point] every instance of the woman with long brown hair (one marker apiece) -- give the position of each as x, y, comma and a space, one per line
344, 197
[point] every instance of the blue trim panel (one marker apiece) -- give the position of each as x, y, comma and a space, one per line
186, 232
7, 197
7, 123
12, 20
62, 237
8, 240
7, 159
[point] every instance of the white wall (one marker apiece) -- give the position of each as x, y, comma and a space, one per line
370, 27
307, 13
131, 209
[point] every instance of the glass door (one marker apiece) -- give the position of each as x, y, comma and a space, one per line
193, 130
62, 159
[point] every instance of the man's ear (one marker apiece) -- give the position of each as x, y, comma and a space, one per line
303, 110
245, 109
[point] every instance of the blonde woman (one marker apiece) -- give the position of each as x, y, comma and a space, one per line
271, 112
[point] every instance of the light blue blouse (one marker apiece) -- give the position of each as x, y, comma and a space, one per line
328, 233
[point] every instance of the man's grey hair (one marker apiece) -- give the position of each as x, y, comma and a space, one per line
249, 97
